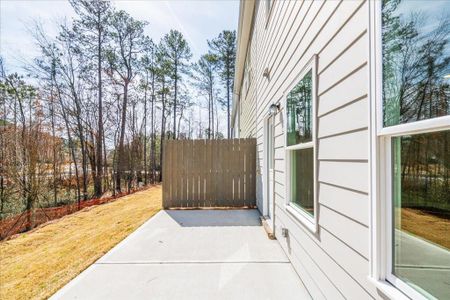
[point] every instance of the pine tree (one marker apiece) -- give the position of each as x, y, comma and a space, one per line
178, 54
224, 46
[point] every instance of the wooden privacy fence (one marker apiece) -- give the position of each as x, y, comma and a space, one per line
209, 173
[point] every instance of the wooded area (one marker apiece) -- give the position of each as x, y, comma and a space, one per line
86, 118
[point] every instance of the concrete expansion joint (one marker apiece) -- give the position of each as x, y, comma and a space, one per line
191, 262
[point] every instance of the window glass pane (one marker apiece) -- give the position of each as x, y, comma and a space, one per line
416, 60
302, 179
421, 211
299, 112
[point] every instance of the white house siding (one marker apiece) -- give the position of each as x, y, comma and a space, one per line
335, 263
248, 98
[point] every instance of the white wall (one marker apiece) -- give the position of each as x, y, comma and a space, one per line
335, 263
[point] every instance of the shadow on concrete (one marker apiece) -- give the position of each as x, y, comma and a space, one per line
199, 218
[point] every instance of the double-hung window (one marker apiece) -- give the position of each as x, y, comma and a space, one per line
413, 116
300, 138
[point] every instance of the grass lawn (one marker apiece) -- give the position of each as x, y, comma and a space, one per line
36, 264
428, 226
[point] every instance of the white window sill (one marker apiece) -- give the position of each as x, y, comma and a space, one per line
302, 217
388, 290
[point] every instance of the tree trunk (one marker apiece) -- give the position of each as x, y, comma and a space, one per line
179, 120
163, 135
175, 102
152, 145
228, 110
52, 112
83, 150
122, 136
212, 111
106, 177
99, 165
72, 149
209, 116
145, 130
2, 159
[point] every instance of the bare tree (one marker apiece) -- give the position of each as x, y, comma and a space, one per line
127, 36
92, 29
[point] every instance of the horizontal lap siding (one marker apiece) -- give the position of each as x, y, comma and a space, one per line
348, 118
349, 175
354, 205
248, 109
350, 89
334, 265
337, 147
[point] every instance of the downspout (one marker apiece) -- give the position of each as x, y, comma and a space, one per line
272, 116
273, 181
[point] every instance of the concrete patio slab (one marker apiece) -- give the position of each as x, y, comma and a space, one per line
199, 236
192, 254
423, 263
186, 281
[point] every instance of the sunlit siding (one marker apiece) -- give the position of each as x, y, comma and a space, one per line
334, 264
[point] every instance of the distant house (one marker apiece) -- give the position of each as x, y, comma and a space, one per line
349, 103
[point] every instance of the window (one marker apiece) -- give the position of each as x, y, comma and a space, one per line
300, 147
414, 140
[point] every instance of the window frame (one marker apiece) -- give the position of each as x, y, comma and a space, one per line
381, 253
310, 222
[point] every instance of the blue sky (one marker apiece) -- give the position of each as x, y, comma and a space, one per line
197, 20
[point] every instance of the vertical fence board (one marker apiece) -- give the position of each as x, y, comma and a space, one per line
241, 174
187, 170
225, 173
195, 172
214, 160
217, 166
175, 163
235, 164
203, 172
251, 166
209, 173
199, 154
173, 182
209, 162
184, 178
248, 156
164, 175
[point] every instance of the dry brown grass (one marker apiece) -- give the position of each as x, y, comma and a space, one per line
428, 226
36, 264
